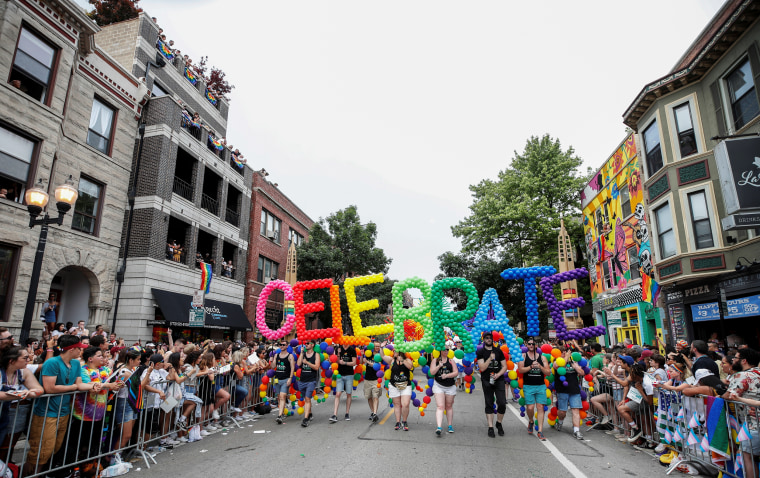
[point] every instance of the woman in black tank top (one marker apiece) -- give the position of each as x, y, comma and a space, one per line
445, 371
400, 387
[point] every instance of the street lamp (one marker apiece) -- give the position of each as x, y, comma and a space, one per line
36, 199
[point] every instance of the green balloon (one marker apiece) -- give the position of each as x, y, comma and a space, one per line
551, 378
520, 340
370, 346
521, 401
459, 354
357, 376
577, 356
513, 384
561, 371
422, 361
429, 349
378, 358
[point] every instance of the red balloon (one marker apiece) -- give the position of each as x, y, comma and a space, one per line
546, 348
333, 358
426, 399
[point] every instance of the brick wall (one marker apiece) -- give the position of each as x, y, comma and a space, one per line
121, 39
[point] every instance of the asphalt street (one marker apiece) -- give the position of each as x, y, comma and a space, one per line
360, 448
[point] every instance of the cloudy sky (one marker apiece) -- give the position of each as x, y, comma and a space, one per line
398, 106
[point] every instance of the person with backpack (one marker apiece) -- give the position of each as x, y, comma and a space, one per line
308, 362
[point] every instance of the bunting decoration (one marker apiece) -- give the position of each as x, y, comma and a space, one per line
744, 434
210, 97
190, 76
206, 273
165, 50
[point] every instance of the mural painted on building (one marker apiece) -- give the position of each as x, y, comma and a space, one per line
615, 223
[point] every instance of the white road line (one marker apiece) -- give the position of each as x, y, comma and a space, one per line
569, 466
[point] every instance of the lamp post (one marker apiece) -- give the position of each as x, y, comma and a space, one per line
36, 199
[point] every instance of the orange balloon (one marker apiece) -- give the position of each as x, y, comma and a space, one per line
519, 383
328, 340
327, 389
583, 414
510, 365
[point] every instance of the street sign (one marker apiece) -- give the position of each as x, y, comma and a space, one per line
197, 318
614, 318
198, 297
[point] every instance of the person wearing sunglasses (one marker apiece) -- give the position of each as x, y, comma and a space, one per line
492, 366
534, 368
308, 362
284, 367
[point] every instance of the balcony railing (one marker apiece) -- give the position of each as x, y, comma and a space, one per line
183, 188
210, 204
233, 217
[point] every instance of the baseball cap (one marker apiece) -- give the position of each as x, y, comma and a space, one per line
627, 359
702, 373
487, 334
646, 353
157, 358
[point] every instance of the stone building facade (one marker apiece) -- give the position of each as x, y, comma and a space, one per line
188, 191
69, 110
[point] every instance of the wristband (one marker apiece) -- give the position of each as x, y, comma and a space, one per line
49, 350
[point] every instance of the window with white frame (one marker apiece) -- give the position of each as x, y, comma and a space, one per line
700, 220
633, 262
33, 64
625, 202
157, 90
268, 270
270, 226
652, 148
687, 138
101, 126
607, 276
295, 237
666, 236
88, 205
599, 223
16, 154
742, 97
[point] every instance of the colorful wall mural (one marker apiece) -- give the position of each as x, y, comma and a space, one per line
615, 224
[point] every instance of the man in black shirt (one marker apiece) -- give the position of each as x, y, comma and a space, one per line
346, 363
701, 360
372, 391
534, 368
492, 366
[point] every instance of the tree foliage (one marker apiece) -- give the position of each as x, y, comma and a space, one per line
340, 246
213, 77
520, 211
106, 12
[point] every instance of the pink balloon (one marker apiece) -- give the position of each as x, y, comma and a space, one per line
261, 307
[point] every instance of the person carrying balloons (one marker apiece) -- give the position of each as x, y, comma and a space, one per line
372, 390
444, 369
568, 389
346, 363
308, 362
400, 386
534, 369
284, 367
492, 366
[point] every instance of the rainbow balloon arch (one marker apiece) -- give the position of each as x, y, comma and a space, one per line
422, 329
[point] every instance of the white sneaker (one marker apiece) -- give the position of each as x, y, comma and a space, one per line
215, 415
660, 449
183, 440
211, 427
605, 420
236, 410
168, 442
204, 433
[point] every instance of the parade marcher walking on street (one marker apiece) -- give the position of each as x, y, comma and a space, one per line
569, 395
308, 362
445, 371
284, 368
534, 369
492, 366
372, 391
400, 386
346, 363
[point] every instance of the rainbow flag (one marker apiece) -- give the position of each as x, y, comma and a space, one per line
206, 273
165, 50
190, 76
650, 289
238, 161
210, 97
215, 143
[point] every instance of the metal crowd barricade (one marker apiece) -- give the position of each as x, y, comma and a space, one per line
89, 438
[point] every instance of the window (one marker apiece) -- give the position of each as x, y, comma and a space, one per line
607, 276
625, 202
652, 148
8, 268
294, 236
741, 95
687, 139
700, 220
270, 226
16, 153
32, 69
666, 237
599, 223
268, 270
633, 261
157, 90
101, 126
87, 207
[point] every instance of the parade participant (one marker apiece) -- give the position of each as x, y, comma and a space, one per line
570, 394
346, 363
284, 367
492, 366
400, 386
445, 371
534, 368
308, 362
372, 390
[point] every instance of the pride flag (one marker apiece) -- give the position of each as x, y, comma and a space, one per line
206, 273
215, 143
190, 76
717, 430
650, 289
165, 50
210, 97
239, 162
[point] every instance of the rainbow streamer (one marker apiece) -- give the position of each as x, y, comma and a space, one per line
165, 50
238, 162
215, 143
210, 97
190, 76
206, 273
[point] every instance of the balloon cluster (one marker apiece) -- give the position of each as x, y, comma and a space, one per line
556, 307
419, 314
337, 321
447, 318
529, 275
302, 309
500, 323
356, 308
261, 307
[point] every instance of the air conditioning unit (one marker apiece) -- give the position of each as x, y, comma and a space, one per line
271, 234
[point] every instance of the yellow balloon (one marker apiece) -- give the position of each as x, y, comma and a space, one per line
548, 394
300, 410
512, 375
356, 383
292, 398
436, 353
422, 409
522, 394
368, 353
415, 356
262, 394
388, 374
388, 353
451, 354
416, 364
560, 362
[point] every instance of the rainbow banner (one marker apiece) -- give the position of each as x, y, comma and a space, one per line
165, 50
206, 273
215, 143
190, 76
210, 97
239, 162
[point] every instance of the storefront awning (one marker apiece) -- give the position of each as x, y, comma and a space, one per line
219, 315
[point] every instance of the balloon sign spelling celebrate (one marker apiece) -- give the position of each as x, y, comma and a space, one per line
499, 322
556, 308
261, 307
417, 314
529, 275
453, 320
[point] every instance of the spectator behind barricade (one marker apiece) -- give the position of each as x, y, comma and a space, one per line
50, 418
725, 367
237, 386
707, 384
744, 386
156, 374
19, 386
99, 341
175, 388
191, 401
638, 407
597, 360
59, 329
657, 363
82, 330
124, 414
701, 360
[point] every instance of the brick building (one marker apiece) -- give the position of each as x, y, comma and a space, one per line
69, 111
191, 198
276, 222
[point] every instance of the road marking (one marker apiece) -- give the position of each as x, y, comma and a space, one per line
569, 466
386, 417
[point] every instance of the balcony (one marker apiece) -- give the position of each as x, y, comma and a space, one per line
210, 204
201, 134
183, 188
232, 217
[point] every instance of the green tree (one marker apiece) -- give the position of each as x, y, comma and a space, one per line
520, 211
340, 246
106, 12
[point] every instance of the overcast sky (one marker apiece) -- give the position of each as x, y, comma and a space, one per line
399, 106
